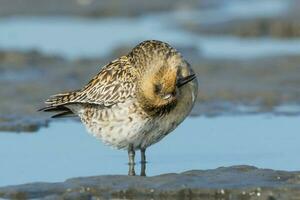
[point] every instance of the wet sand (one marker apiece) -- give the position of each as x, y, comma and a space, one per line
228, 183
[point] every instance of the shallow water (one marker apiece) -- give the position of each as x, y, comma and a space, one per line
233, 9
64, 150
88, 38
77, 37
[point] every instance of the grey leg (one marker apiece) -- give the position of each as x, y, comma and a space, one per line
143, 162
131, 154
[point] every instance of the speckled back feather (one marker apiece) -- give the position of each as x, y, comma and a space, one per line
113, 84
116, 81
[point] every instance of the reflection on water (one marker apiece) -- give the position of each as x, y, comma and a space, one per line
64, 149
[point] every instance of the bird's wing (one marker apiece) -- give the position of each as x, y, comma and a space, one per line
113, 84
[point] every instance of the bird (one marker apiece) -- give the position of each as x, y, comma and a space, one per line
135, 100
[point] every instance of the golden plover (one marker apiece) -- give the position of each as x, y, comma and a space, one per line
135, 100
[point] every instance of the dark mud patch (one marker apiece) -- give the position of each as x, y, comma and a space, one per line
286, 25
225, 86
27, 79
230, 183
279, 27
22, 124
248, 86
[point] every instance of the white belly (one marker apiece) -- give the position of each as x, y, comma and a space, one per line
117, 126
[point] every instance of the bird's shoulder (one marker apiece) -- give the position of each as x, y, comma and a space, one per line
113, 84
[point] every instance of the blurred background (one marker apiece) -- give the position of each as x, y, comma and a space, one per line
245, 54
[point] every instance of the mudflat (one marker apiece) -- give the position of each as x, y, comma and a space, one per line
230, 183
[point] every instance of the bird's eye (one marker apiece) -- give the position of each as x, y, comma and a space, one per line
157, 88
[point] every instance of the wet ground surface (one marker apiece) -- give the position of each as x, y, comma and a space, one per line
221, 183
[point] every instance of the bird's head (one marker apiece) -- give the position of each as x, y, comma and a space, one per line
163, 75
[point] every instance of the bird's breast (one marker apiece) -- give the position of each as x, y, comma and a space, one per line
168, 121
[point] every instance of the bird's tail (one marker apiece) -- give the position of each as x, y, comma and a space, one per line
58, 104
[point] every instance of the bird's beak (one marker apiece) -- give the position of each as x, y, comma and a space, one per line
182, 81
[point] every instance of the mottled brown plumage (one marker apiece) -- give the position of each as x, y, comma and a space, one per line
135, 100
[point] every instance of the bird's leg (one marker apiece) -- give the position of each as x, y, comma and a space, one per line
143, 162
131, 154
